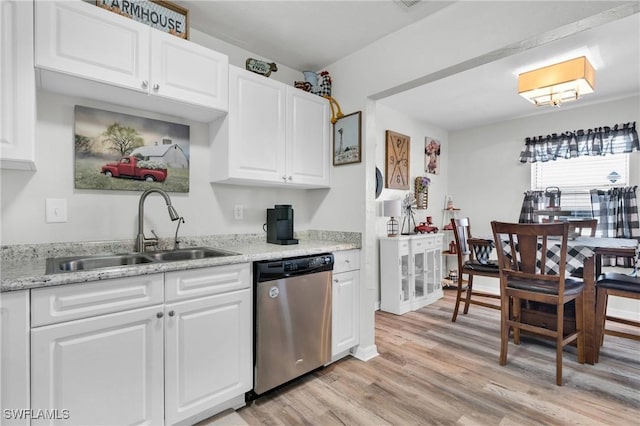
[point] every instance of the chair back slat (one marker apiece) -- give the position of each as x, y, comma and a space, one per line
462, 233
527, 249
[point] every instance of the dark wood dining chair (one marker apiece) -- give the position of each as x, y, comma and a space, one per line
532, 259
586, 227
473, 259
620, 285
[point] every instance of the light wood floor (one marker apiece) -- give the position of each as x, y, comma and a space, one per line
431, 371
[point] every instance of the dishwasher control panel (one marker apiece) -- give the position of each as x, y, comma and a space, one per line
282, 268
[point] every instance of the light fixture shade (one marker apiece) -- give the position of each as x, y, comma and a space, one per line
557, 83
391, 208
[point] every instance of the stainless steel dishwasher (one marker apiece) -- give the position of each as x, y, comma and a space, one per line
292, 321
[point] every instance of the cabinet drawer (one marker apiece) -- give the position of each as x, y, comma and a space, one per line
69, 302
348, 260
182, 285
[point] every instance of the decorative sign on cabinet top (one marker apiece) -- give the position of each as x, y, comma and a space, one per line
162, 15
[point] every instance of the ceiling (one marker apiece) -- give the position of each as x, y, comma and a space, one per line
305, 34
297, 34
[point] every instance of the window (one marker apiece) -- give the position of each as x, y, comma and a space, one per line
576, 176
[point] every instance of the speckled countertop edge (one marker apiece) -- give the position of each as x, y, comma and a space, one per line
23, 266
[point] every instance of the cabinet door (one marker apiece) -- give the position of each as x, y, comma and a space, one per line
14, 357
208, 353
256, 127
17, 86
344, 314
308, 139
76, 38
104, 370
189, 72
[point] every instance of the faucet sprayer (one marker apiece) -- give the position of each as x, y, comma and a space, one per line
141, 241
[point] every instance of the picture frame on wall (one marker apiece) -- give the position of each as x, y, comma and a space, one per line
347, 139
123, 152
432, 155
397, 160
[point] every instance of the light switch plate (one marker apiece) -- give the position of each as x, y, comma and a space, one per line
56, 210
238, 212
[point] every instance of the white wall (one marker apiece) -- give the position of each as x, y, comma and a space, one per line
107, 215
390, 119
455, 34
492, 153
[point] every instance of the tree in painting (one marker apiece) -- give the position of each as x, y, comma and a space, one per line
123, 139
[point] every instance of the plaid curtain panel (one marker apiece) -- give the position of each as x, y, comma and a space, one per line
617, 212
598, 141
533, 200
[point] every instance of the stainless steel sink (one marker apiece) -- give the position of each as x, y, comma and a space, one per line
87, 263
189, 254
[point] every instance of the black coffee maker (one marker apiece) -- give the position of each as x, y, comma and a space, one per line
280, 225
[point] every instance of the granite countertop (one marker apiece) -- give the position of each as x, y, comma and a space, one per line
23, 267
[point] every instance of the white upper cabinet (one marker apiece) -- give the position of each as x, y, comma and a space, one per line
274, 135
308, 150
17, 86
83, 50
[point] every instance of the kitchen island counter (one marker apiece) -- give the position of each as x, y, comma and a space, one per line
23, 267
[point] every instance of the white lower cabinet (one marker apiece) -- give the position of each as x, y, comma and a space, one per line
346, 302
208, 345
104, 370
14, 357
410, 272
170, 348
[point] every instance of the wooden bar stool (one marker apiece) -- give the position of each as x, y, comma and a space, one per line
614, 284
532, 260
470, 264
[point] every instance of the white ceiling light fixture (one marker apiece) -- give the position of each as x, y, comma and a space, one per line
558, 83
409, 3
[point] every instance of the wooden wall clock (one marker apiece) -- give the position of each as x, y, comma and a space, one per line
397, 160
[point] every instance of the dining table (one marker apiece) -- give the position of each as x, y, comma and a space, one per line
587, 253
601, 246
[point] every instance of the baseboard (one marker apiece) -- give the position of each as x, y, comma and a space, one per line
365, 354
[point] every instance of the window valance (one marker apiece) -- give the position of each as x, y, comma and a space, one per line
599, 141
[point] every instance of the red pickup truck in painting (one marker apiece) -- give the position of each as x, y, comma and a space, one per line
134, 168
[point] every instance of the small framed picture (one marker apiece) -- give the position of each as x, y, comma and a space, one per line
347, 143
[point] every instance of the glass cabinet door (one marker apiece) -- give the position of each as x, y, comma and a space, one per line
419, 272
404, 277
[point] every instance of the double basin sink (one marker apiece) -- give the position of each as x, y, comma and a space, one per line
88, 263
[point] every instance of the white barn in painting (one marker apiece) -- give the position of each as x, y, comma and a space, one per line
172, 155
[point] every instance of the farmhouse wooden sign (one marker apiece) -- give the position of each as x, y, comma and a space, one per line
397, 160
162, 15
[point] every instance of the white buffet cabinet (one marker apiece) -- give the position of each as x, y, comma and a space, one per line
274, 135
410, 272
171, 348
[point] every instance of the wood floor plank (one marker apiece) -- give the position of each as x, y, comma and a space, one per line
431, 371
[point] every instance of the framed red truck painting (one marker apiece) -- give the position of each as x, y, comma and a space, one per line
116, 151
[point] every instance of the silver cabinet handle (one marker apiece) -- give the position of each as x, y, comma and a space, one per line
145, 84
171, 313
159, 315
156, 87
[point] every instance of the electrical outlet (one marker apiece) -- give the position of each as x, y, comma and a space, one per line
238, 212
56, 210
